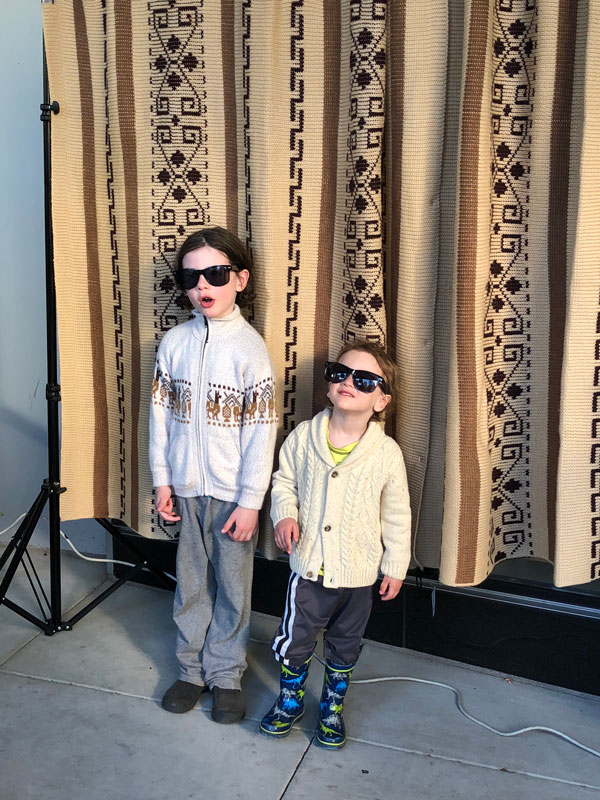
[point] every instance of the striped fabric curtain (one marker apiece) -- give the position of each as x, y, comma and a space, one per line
421, 174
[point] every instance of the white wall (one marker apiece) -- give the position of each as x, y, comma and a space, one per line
23, 409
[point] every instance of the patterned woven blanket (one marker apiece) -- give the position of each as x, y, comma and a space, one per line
411, 172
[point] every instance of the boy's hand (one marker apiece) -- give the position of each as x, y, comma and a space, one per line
286, 530
389, 588
164, 504
241, 524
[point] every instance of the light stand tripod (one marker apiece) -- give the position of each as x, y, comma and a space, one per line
16, 551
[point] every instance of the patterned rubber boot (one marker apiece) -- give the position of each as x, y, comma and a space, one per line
289, 706
331, 731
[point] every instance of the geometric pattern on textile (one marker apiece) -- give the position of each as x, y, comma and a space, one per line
179, 146
180, 205
362, 309
175, 395
245, 91
228, 406
595, 457
507, 323
296, 174
274, 119
116, 283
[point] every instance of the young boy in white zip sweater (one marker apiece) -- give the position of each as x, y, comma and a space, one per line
341, 509
212, 437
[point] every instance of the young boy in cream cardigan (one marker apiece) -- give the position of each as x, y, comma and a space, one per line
341, 511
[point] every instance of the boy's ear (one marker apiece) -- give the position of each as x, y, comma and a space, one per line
242, 279
382, 402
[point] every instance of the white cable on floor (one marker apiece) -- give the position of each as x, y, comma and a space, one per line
103, 560
12, 524
86, 558
369, 680
463, 710
479, 722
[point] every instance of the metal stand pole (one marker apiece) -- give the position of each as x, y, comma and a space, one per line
53, 487
16, 551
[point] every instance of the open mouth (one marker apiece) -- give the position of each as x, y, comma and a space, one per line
206, 302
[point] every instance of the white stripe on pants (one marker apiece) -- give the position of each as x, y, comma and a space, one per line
310, 607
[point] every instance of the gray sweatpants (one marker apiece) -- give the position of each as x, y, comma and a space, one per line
212, 600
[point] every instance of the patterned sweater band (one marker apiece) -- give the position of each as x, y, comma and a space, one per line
213, 421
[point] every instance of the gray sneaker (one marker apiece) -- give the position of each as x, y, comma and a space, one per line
228, 705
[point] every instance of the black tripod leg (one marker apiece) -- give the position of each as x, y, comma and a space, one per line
20, 541
21, 530
7, 551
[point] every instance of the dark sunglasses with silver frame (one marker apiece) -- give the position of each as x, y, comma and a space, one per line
362, 379
218, 275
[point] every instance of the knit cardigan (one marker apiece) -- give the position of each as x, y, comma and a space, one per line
354, 518
212, 420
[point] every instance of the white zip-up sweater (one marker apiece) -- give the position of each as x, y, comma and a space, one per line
354, 518
212, 420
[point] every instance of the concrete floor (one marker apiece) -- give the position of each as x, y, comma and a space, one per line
80, 718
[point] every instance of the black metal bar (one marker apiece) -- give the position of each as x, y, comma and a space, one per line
15, 538
51, 488
97, 600
7, 551
29, 617
28, 565
131, 548
21, 539
52, 387
37, 577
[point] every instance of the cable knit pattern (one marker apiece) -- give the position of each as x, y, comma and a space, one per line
354, 518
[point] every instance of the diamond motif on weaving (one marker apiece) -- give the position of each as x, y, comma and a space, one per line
179, 152
507, 324
363, 315
179, 145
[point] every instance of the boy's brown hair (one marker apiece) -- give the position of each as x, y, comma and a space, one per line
388, 368
227, 243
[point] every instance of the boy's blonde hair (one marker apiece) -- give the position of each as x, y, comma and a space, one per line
388, 368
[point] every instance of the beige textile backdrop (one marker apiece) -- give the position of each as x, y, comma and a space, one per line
420, 173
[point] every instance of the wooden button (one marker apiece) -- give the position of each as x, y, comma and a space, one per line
334, 474
327, 528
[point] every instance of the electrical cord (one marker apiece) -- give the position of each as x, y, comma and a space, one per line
463, 711
452, 689
103, 560
81, 555
12, 524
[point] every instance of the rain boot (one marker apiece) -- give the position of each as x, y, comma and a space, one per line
289, 706
331, 731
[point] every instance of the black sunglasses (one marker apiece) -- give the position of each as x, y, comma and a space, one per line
363, 380
215, 276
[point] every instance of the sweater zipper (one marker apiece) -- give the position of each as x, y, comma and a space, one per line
201, 409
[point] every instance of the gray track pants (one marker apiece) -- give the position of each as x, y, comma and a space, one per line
212, 600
